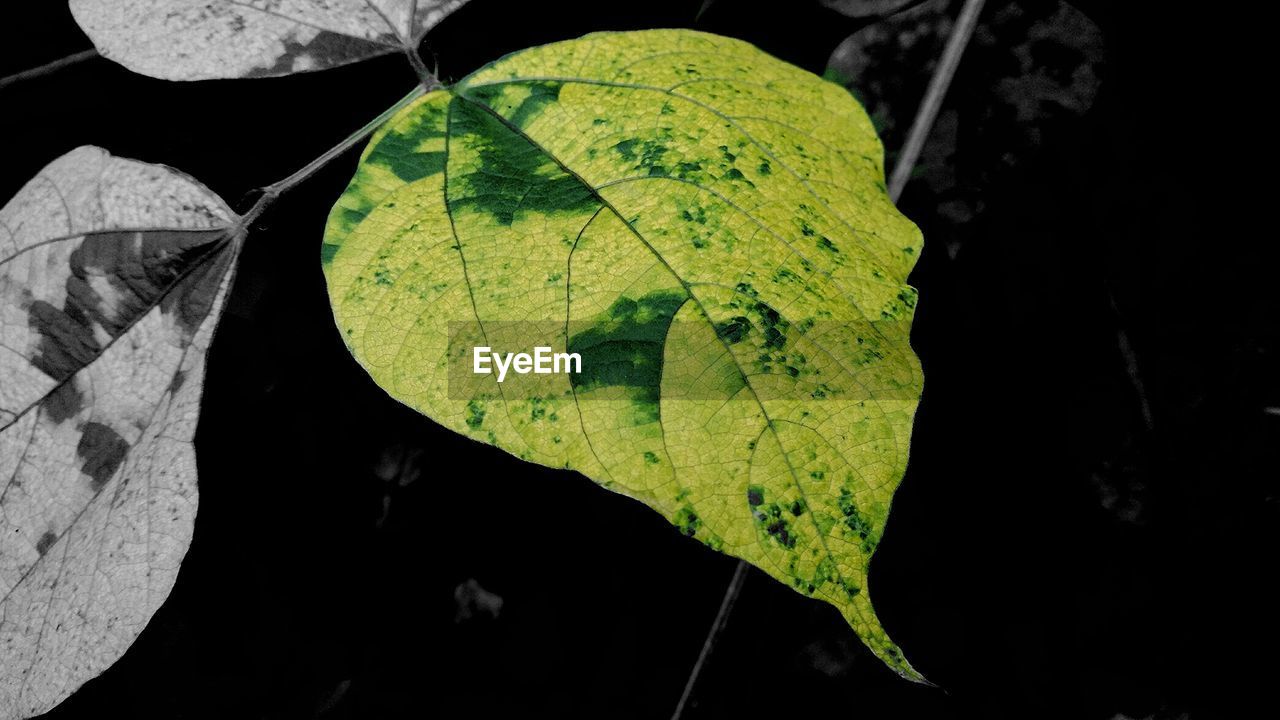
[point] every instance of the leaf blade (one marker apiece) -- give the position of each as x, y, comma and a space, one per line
210, 39
708, 227
105, 324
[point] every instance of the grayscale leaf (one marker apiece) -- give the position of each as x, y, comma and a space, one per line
207, 39
112, 276
864, 8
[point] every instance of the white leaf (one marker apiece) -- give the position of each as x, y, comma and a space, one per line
112, 276
205, 39
865, 8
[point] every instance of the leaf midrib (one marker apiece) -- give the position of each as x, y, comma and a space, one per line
215, 248
107, 231
272, 13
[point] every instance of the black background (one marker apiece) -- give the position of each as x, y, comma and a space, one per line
1050, 553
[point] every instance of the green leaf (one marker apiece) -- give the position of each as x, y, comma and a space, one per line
707, 227
112, 276
205, 39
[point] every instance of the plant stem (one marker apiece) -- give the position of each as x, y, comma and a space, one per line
425, 76
717, 627
1131, 365
427, 82
933, 96
48, 68
280, 187
920, 128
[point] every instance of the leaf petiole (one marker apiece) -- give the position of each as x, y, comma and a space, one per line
428, 79
49, 67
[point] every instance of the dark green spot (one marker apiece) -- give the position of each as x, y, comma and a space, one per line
733, 330
687, 520
850, 589
857, 522
400, 154
349, 218
771, 325
541, 94
685, 169
779, 530
327, 251
515, 176
644, 154
625, 346
475, 414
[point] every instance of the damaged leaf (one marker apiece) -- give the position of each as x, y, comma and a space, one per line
112, 276
707, 228
205, 39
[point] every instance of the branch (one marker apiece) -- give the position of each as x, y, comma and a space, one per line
933, 96
717, 628
280, 187
48, 68
1131, 365
427, 78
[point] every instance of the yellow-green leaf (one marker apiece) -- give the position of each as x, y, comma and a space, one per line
707, 228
